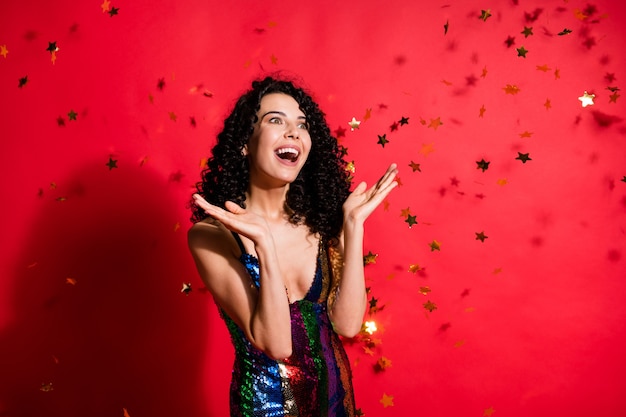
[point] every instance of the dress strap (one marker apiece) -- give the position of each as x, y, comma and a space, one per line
239, 242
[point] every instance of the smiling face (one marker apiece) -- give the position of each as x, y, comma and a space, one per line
280, 142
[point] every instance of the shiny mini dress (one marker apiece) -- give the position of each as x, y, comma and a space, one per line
315, 380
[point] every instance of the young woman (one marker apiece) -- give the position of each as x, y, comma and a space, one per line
278, 241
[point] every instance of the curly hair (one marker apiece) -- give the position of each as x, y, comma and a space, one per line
316, 196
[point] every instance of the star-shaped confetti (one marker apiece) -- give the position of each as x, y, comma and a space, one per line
435, 123
488, 412
481, 236
522, 52
382, 364
3, 51
387, 400
106, 6
434, 246
354, 124
427, 148
340, 132
587, 99
511, 89
523, 157
485, 14
403, 121
565, 31
528, 31
71, 115
482, 164
23, 81
382, 140
186, 289
414, 268
112, 163
415, 166
114, 11
445, 27
481, 111
510, 41
370, 258
411, 220
430, 306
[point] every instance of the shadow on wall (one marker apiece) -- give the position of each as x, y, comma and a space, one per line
100, 323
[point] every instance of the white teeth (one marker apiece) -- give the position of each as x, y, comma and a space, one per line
287, 150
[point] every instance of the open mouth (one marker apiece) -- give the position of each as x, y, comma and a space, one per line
288, 154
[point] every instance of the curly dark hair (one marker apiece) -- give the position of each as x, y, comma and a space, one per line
316, 196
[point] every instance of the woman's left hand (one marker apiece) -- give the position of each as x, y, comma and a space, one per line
361, 202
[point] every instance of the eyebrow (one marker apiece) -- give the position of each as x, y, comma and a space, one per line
280, 113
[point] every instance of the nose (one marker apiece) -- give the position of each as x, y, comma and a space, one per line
292, 131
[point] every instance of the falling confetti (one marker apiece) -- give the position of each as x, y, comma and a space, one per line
354, 124
587, 99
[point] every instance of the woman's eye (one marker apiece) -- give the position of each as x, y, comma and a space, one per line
275, 120
304, 126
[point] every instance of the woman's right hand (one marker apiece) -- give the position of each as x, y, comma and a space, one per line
236, 219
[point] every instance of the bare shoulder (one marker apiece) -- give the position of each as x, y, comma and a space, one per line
209, 235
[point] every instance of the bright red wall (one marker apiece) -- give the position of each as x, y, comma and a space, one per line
530, 321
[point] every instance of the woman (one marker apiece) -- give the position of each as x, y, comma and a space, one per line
278, 241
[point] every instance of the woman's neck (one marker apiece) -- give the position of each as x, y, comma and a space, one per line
269, 203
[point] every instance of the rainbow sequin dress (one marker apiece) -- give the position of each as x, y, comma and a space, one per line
314, 381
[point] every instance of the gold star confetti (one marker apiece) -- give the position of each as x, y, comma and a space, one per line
447, 83
274, 59
525, 134
485, 14
459, 343
387, 400
368, 114
405, 212
370, 258
415, 166
46, 387
414, 268
543, 68
484, 72
354, 124
70, 281
488, 412
613, 97
482, 111
3, 50
186, 288
172, 116
557, 74
434, 245
502, 182
481, 236
370, 327
427, 149
587, 99
424, 291
126, 414
547, 104
112, 163
106, 6
382, 364
435, 123
430, 306
511, 89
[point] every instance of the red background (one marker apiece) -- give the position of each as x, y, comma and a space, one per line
530, 321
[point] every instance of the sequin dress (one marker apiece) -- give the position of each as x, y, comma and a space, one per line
314, 381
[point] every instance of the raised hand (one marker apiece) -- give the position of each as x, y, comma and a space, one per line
361, 202
236, 219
